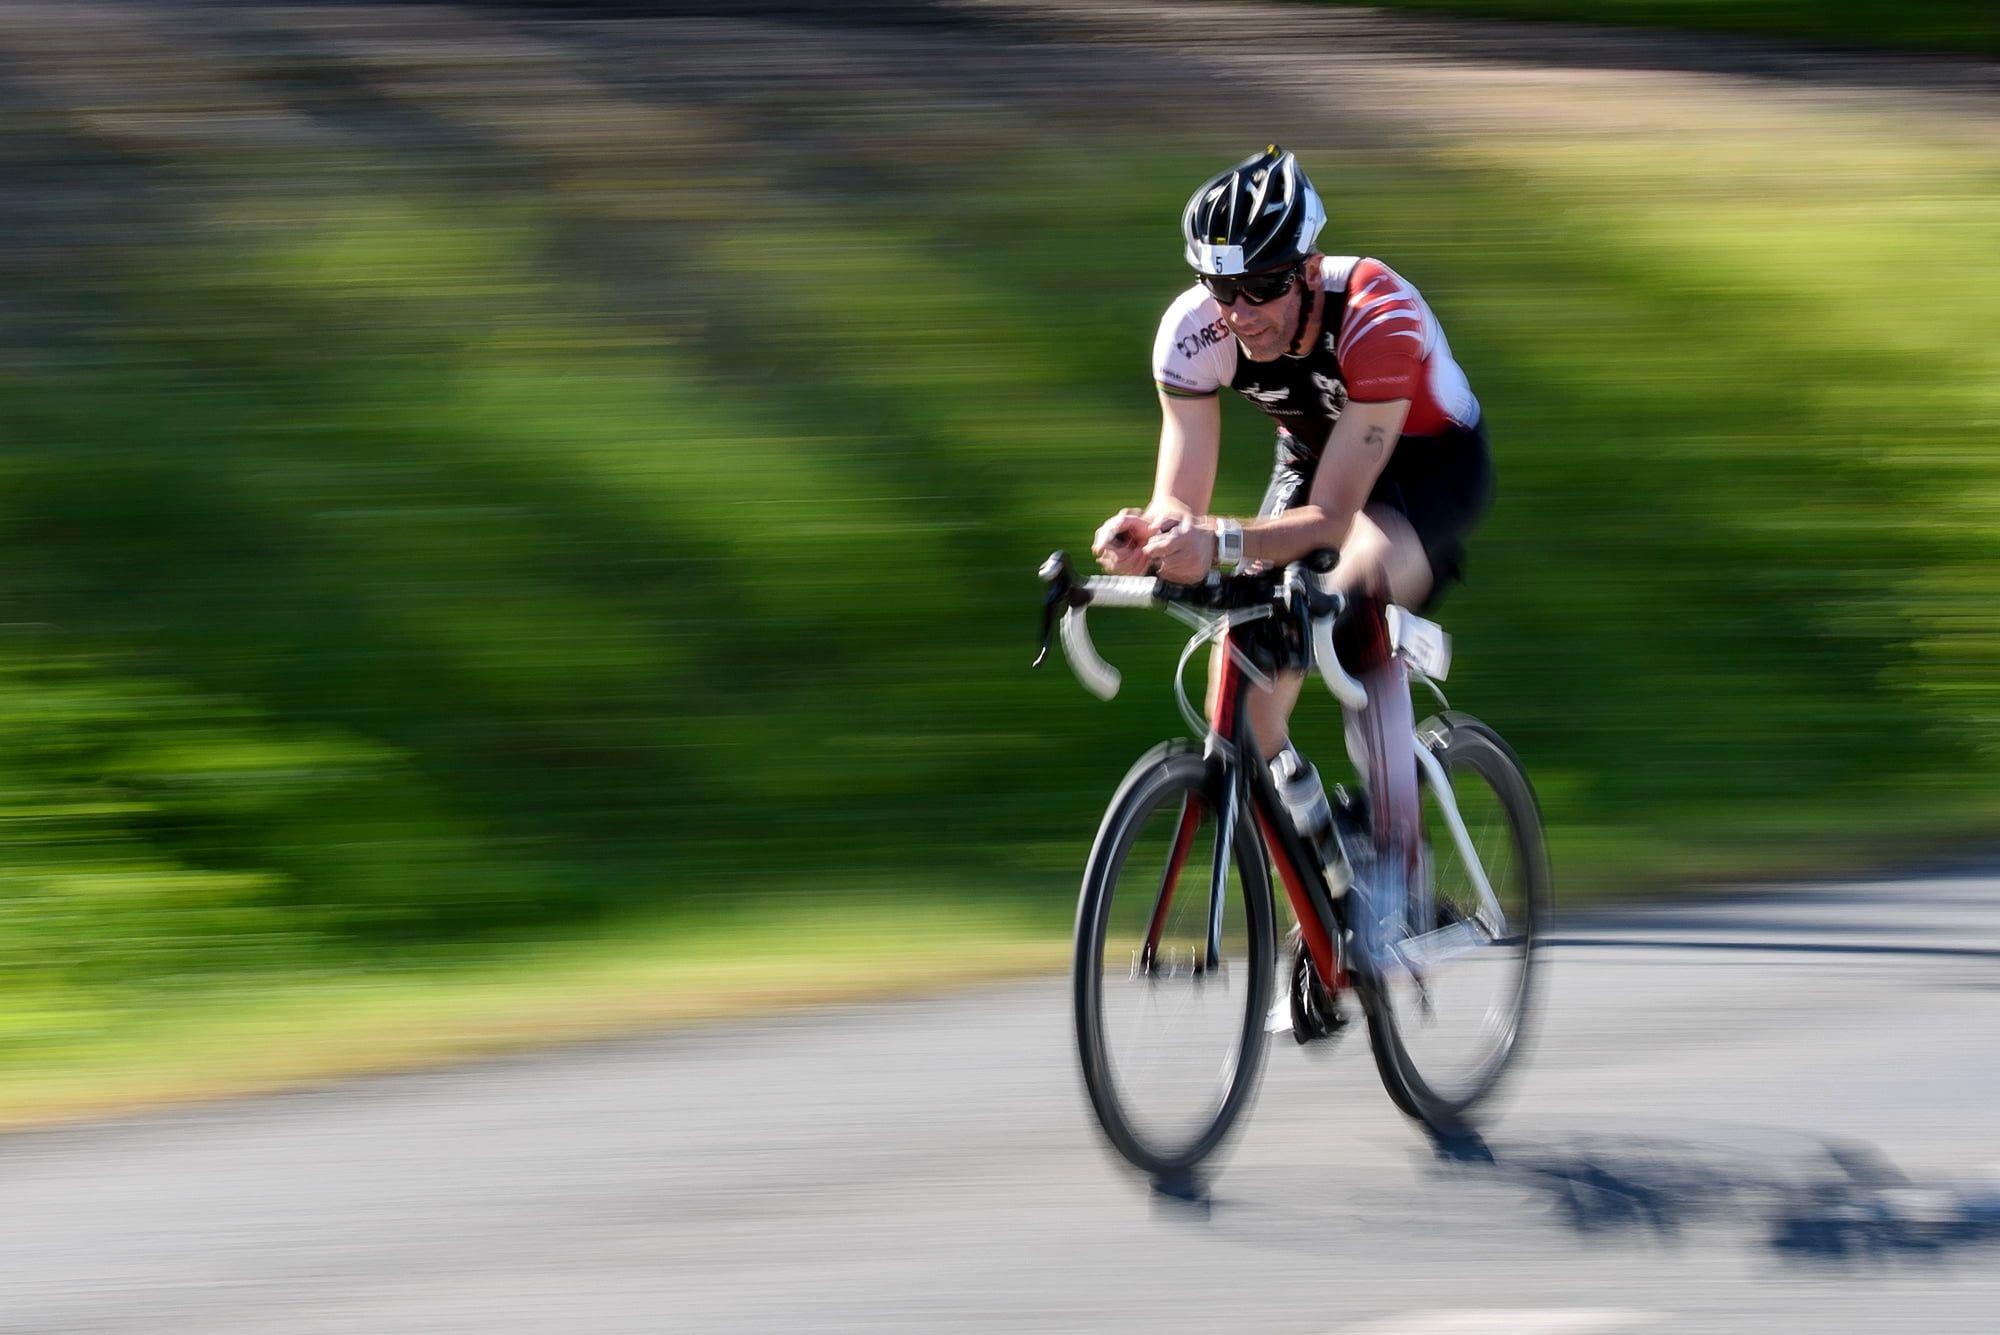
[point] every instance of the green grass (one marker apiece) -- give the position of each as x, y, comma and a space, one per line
1963, 26
312, 1026
395, 579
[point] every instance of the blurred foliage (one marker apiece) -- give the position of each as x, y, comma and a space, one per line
1970, 26
425, 538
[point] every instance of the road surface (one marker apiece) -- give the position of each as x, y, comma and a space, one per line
1765, 1112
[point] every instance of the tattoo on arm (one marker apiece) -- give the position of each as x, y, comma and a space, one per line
1377, 439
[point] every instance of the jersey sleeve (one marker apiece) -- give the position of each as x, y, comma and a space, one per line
1383, 336
1194, 354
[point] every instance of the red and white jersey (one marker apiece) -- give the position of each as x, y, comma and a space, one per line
1379, 342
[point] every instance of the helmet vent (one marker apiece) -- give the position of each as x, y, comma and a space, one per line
1261, 213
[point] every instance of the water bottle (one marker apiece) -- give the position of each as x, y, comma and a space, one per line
1300, 790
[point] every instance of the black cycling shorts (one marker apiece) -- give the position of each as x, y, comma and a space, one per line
1442, 484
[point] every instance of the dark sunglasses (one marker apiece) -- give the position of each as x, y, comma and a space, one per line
1255, 288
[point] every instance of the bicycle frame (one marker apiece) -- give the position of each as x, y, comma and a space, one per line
1318, 906
1364, 933
1320, 910
1489, 903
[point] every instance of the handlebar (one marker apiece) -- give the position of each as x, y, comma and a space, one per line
1302, 591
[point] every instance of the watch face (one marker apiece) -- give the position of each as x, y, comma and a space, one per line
1229, 544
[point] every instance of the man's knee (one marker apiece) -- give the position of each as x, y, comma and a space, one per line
1384, 556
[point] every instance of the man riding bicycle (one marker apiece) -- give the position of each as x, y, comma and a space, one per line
1380, 449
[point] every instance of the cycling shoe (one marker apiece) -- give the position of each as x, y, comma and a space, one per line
1315, 1011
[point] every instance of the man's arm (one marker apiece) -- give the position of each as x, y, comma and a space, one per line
1190, 444
1361, 443
1183, 481
1381, 343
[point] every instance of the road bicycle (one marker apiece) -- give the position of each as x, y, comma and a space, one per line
1174, 992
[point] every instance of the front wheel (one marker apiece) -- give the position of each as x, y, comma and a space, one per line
1451, 1009
1174, 962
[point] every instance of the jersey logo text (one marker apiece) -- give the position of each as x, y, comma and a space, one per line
1206, 336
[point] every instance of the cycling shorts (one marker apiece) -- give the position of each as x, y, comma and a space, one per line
1442, 484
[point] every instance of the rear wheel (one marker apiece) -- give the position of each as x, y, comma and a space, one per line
1448, 1018
1170, 1035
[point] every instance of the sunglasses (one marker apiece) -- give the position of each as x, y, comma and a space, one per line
1255, 288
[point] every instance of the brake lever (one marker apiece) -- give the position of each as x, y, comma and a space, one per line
1065, 592
1319, 600
1049, 605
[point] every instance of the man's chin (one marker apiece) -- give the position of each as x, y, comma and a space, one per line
1260, 350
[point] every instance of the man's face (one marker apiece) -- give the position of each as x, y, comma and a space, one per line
1265, 331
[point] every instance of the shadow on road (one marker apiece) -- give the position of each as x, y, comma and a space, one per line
1833, 1200
1647, 942
1798, 1197
1774, 1192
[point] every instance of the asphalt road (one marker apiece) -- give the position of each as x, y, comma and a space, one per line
1771, 1112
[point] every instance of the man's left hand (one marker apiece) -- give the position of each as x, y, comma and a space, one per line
1182, 554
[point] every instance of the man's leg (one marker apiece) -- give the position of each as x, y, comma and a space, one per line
1383, 556
1270, 707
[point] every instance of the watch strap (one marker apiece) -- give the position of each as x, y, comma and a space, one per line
1228, 543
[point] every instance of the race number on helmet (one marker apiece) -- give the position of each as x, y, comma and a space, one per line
1260, 213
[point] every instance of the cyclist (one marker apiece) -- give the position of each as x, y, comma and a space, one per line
1380, 448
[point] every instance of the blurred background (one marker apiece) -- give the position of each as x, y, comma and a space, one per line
519, 518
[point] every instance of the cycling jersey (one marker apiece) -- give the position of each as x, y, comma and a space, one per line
1378, 342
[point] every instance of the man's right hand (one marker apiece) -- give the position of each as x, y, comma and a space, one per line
1120, 543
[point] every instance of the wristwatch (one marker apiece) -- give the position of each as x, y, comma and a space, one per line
1228, 543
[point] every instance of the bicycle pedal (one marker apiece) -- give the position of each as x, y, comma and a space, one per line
1311, 1012
1317, 1026
1325, 1028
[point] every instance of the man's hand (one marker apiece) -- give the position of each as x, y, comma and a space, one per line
1181, 553
1120, 543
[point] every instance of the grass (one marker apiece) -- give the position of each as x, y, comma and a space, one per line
1959, 26
427, 558
307, 1028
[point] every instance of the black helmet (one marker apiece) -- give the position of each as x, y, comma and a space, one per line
1260, 213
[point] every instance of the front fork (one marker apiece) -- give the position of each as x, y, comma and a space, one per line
1238, 774
1184, 833
1218, 880
1225, 796
1234, 748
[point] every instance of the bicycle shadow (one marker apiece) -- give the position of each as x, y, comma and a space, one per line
1798, 1197
1795, 1195
1828, 1201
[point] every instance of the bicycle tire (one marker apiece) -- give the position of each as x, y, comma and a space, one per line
1464, 746
1169, 773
